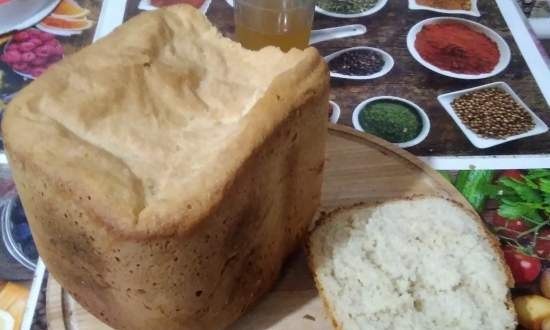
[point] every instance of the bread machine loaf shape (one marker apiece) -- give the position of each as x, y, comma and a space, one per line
167, 172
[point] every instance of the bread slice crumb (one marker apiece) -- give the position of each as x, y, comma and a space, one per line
419, 264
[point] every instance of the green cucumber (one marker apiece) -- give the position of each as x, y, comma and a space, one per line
471, 184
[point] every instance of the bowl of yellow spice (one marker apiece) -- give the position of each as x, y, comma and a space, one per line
466, 7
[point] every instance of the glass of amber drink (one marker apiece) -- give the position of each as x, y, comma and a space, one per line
282, 23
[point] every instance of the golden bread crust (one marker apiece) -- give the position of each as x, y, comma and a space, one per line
189, 233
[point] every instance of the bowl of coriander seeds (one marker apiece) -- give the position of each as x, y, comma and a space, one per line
349, 8
491, 114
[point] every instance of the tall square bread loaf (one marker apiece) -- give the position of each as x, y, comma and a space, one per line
167, 172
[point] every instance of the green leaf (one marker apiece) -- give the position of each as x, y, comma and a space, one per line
530, 183
512, 211
537, 173
510, 199
491, 190
533, 216
527, 194
521, 211
544, 185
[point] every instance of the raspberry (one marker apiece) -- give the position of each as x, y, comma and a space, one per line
26, 46
39, 61
11, 57
21, 67
21, 36
28, 57
44, 51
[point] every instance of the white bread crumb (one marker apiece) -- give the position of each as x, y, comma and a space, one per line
417, 264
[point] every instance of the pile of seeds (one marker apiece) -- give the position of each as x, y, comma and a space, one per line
357, 62
346, 6
492, 113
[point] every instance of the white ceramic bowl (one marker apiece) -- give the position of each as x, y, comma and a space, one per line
505, 54
335, 112
477, 140
146, 5
423, 119
379, 5
19, 15
474, 11
388, 64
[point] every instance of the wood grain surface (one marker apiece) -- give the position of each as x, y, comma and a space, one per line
387, 29
358, 168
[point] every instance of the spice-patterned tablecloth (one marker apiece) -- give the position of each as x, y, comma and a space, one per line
25, 54
387, 30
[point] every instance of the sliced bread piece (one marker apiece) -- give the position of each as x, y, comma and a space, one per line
423, 263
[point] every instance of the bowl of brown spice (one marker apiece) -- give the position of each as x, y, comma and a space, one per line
491, 114
465, 7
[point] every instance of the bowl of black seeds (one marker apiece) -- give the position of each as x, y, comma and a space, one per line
349, 8
359, 63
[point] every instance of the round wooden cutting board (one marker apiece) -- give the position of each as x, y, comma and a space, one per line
359, 168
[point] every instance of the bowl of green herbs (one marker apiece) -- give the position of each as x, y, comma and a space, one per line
349, 8
393, 119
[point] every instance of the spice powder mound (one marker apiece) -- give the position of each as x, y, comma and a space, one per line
456, 47
492, 113
447, 4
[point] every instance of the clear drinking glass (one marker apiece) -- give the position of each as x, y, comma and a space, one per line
282, 23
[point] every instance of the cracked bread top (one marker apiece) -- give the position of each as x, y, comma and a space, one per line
149, 124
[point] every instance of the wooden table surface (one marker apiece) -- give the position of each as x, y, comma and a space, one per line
387, 29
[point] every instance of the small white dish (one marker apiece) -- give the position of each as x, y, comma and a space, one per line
335, 112
65, 32
426, 126
474, 11
388, 63
504, 50
477, 140
146, 5
230, 2
379, 5
19, 15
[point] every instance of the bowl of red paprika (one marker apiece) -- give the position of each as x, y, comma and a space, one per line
458, 48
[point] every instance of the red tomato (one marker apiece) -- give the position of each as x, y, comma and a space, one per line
542, 245
514, 174
510, 228
525, 269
